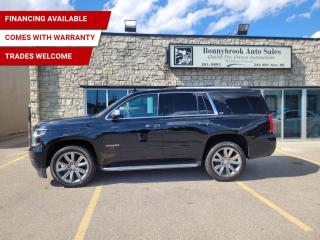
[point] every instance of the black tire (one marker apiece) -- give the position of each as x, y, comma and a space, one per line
212, 161
88, 162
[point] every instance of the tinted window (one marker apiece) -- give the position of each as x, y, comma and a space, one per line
204, 104
257, 104
140, 106
220, 103
201, 104
178, 104
208, 104
239, 103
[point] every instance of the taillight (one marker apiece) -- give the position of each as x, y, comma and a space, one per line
271, 126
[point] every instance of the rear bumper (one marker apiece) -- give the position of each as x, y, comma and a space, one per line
38, 160
262, 146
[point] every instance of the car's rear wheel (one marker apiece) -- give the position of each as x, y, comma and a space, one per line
225, 161
73, 166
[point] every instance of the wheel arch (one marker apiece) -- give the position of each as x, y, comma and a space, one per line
55, 146
226, 137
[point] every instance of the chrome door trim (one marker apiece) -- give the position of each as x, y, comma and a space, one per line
193, 115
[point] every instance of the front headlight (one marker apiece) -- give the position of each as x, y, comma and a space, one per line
37, 133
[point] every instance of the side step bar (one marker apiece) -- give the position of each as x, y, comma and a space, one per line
150, 167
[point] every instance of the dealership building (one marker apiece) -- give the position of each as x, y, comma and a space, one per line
285, 70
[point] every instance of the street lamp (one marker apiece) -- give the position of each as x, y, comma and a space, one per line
130, 25
242, 29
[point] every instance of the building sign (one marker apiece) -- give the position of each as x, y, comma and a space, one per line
215, 56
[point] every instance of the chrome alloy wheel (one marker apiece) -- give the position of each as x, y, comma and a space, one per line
72, 167
226, 162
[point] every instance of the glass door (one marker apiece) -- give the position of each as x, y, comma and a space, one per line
292, 114
313, 113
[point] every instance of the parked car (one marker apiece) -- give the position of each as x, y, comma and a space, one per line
292, 123
218, 128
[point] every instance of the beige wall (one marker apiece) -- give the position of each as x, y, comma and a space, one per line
14, 99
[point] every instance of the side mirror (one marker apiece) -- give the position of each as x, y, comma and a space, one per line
115, 114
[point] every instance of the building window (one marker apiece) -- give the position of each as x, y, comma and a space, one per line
313, 113
115, 94
96, 100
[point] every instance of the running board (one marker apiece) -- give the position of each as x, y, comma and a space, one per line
151, 167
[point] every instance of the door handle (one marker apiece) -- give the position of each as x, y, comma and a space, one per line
152, 125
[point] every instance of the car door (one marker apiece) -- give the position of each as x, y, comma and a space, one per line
185, 124
136, 135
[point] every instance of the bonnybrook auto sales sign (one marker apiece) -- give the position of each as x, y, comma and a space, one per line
213, 56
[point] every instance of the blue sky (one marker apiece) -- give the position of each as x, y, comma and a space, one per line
290, 18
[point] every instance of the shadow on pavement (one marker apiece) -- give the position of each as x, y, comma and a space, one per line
147, 176
261, 168
277, 167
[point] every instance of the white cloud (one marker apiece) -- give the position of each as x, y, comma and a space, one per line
305, 15
222, 23
301, 15
130, 10
316, 35
291, 18
316, 5
175, 16
36, 5
181, 16
246, 11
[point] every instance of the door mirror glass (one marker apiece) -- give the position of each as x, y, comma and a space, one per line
116, 114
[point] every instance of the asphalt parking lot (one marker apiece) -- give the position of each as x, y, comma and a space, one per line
277, 198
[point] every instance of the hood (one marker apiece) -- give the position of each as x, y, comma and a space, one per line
64, 122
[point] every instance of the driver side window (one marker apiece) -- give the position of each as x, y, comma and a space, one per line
140, 106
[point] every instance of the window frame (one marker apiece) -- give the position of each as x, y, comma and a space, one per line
215, 112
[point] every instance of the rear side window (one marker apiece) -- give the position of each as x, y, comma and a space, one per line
204, 104
239, 103
177, 104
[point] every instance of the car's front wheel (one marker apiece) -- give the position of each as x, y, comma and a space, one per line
73, 166
225, 161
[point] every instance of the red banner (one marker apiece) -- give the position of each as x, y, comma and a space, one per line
54, 19
45, 56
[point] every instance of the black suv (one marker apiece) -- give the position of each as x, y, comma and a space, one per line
181, 127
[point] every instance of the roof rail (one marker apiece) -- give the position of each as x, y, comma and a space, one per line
208, 87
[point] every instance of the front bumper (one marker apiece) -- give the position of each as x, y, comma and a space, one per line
38, 160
